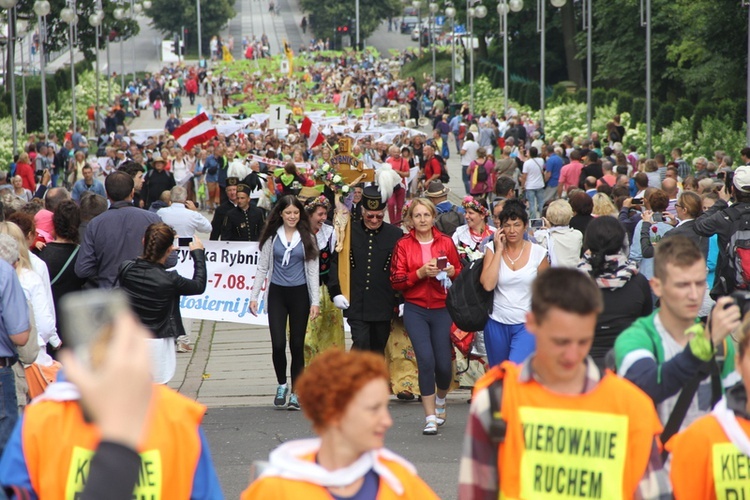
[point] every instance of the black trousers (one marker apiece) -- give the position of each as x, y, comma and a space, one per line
370, 335
292, 304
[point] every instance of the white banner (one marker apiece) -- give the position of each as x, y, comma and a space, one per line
230, 268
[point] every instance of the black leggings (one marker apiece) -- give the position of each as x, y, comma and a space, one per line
288, 303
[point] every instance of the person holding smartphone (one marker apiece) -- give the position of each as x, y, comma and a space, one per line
424, 262
155, 293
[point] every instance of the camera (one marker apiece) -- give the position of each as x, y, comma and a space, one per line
742, 299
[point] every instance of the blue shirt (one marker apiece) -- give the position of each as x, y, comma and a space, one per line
14, 313
554, 165
80, 187
211, 162
293, 273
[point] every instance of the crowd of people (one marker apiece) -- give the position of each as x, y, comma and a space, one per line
617, 286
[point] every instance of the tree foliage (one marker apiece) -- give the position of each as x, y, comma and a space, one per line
171, 16
326, 15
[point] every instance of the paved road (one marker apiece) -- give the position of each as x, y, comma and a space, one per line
230, 369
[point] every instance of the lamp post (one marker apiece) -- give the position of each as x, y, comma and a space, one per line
450, 13
502, 9
433, 9
587, 6
21, 25
41, 9
135, 9
11, 72
95, 20
541, 24
646, 21
356, 24
417, 4
472, 12
120, 14
68, 15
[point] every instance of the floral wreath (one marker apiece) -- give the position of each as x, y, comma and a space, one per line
312, 204
329, 177
470, 203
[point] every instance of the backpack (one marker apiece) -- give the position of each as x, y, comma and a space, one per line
468, 303
447, 222
445, 178
481, 173
738, 249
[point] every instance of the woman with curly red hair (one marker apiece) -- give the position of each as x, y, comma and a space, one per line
345, 395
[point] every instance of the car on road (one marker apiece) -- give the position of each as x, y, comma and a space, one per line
415, 34
408, 23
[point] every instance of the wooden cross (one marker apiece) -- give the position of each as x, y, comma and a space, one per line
348, 167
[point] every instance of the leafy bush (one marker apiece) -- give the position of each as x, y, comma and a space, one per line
702, 110
638, 111
531, 95
664, 117
599, 97
683, 109
625, 103
34, 116
613, 95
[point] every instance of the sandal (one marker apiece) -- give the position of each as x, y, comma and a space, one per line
441, 414
430, 428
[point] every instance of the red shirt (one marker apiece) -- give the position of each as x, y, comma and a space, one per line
570, 174
431, 168
27, 174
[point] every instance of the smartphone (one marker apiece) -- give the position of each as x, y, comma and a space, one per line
184, 242
658, 217
636, 201
536, 223
728, 181
442, 262
87, 320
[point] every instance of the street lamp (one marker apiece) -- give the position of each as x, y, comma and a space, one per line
541, 24
587, 6
69, 16
95, 20
450, 13
11, 72
433, 9
746, 3
478, 12
135, 9
502, 9
417, 4
120, 14
647, 23
41, 9
21, 26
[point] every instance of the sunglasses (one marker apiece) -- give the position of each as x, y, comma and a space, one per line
378, 216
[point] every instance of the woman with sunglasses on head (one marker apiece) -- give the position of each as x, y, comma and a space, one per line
327, 330
289, 258
424, 262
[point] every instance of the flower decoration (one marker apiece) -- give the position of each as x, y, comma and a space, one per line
312, 204
655, 236
470, 203
327, 175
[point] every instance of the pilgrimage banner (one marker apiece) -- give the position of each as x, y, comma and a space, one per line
230, 268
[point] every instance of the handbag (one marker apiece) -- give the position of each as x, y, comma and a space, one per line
462, 340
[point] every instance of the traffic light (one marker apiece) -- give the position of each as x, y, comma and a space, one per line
343, 29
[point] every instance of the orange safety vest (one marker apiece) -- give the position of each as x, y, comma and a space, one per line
279, 488
705, 463
594, 445
58, 446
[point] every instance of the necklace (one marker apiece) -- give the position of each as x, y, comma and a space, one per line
512, 260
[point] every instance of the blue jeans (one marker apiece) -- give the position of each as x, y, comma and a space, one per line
536, 202
8, 405
429, 331
465, 178
507, 342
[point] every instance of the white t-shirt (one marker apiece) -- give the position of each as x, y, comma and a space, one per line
533, 168
512, 297
471, 148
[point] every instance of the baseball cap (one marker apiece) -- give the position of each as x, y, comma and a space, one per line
742, 179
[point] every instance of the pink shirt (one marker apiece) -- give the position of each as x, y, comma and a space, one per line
426, 251
570, 174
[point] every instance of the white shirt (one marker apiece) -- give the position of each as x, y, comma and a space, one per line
238, 168
471, 148
512, 297
179, 171
42, 309
185, 222
533, 168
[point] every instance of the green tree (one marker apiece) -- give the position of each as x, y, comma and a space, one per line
326, 15
171, 16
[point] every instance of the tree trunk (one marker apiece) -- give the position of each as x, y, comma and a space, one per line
575, 69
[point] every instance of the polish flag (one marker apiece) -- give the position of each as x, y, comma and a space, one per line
195, 131
314, 137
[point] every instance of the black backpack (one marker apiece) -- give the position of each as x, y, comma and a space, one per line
447, 222
481, 173
468, 303
445, 178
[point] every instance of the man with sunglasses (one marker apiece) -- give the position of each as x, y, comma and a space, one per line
372, 300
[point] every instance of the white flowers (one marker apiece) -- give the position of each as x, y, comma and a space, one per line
336, 179
326, 167
345, 188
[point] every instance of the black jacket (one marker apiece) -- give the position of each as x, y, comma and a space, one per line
154, 292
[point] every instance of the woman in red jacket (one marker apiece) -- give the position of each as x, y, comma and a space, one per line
424, 261
26, 172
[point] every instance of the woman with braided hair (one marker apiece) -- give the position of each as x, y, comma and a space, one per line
155, 293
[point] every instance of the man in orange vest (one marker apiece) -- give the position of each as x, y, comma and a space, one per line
555, 426
50, 452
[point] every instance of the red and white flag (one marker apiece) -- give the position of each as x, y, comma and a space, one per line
309, 130
195, 131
